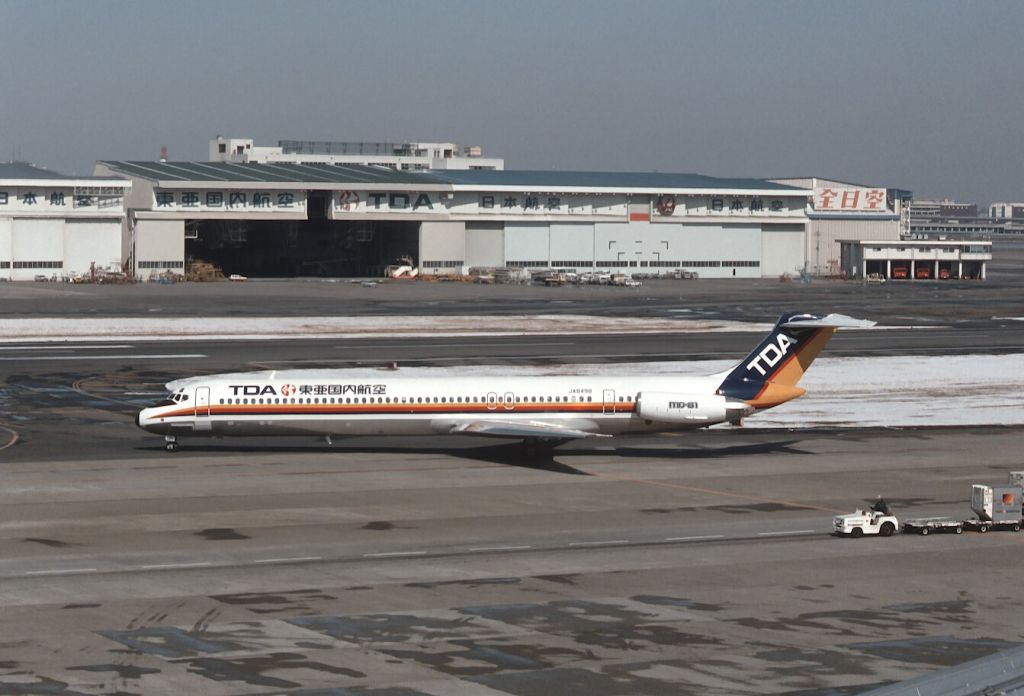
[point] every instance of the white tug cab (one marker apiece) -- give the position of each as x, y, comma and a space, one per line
863, 522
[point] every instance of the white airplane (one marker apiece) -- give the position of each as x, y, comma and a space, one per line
543, 411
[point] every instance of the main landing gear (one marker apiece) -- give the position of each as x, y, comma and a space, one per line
170, 443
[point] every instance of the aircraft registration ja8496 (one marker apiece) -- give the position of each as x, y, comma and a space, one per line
542, 411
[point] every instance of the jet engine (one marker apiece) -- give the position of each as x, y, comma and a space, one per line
698, 409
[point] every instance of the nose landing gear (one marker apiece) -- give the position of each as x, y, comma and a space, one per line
170, 443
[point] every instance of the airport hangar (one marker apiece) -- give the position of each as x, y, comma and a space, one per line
52, 225
288, 220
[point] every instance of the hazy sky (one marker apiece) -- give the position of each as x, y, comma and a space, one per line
925, 95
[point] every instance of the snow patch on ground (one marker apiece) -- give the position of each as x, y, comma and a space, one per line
906, 391
224, 328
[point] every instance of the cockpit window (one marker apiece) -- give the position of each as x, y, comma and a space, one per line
171, 399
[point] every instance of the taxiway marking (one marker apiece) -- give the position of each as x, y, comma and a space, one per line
501, 344
67, 348
13, 439
175, 566
168, 356
499, 548
61, 571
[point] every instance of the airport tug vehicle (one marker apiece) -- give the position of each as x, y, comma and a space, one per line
864, 522
995, 507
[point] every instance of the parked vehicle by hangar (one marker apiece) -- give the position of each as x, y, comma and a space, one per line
900, 272
922, 273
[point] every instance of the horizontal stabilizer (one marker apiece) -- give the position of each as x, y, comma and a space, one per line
496, 428
836, 321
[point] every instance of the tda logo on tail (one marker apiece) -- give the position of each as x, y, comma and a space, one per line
771, 354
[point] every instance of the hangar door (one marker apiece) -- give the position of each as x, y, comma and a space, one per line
91, 241
527, 243
485, 244
37, 248
442, 247
782, 249
572, 245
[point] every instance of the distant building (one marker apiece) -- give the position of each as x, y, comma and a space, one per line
947, 219
406, 156
945, 208
912, 260
1006, 211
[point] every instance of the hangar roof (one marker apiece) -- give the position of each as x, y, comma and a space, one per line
362, 175
648, 181
23, 170
264, 173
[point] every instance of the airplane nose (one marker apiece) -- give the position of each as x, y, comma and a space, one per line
138, 417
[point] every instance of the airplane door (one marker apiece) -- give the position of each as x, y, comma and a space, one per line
609, 401
509, 401
492, 401
202, 406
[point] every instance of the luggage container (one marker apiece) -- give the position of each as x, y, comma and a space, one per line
997, 507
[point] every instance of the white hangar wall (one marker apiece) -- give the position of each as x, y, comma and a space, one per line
54, 247
737, 250
92, 241
782, 249
823, 235
485, 244
443, 246
159, 247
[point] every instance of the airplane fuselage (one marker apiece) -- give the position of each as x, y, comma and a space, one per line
388, 402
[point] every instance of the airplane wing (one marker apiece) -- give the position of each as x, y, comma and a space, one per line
497, 428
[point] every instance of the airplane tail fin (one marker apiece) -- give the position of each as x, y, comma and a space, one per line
769, 375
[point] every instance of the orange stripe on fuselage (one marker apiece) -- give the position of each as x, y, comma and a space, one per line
610, 408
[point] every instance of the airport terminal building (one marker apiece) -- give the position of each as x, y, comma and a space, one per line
289, 220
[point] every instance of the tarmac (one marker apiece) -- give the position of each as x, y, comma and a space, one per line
690, 564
